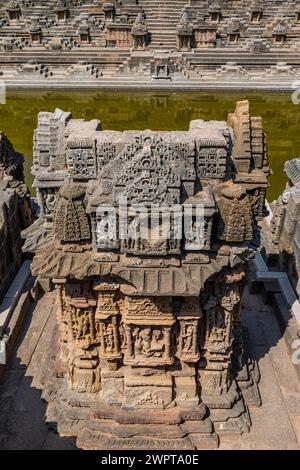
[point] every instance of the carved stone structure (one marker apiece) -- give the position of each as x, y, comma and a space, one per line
15, 211
146, 237
124, 38
285, 234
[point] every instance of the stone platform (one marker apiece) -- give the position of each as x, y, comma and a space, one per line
275, 425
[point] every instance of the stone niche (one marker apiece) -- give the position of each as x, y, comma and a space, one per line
35, 31
256, 14
215, 13
119, 35
109, 11
139, 32
285, 233
146, 238
84, 30
279, 34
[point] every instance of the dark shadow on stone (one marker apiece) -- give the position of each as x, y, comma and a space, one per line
22, 411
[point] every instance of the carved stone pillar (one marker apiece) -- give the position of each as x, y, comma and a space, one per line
62, 357
77, 314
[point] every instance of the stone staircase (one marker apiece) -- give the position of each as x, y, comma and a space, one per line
162, 17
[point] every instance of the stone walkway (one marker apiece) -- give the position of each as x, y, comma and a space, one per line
276, 424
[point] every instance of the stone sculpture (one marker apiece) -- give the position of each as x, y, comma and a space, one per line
285, 235
125, 36
148, 350
15, 211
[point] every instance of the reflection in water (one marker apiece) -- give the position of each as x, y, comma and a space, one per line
157, 111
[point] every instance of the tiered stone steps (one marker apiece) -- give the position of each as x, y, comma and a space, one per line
162, 18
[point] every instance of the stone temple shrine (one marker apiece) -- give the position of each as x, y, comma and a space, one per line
148, 349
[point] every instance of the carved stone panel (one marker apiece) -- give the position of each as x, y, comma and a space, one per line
148, 324
218, 327
85, 371
145, 227
147, 392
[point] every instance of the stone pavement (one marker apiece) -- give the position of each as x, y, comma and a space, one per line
276, 424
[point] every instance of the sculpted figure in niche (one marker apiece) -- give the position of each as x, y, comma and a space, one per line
216, 323
81, 325
157, 346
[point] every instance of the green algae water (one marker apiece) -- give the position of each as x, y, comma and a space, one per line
154, 110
